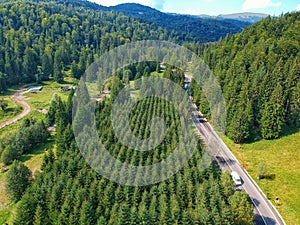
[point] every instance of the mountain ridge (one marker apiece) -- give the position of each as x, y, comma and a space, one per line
188, 24
247, 16
200, 29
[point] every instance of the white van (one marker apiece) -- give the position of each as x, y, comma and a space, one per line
236, 178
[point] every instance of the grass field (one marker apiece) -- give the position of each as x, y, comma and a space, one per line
37, 101
156, 74
4, 213
282, 157
11, 111
34, 159
41, 100
135, 92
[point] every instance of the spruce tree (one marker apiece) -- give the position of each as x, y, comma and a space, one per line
17, 180
39, 216
273, 114
58, 66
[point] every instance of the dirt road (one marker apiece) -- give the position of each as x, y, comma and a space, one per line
26, 109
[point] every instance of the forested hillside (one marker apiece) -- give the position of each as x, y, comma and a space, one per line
52, 40
43, 40
190, 27
259, 71
68, 191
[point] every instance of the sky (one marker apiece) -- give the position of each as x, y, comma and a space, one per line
214, 7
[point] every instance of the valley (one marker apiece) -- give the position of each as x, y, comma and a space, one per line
46, 178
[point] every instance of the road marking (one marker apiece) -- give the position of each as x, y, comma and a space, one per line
256, 206
253, 182
227, 150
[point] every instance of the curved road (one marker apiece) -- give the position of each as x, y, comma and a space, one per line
26, 109
265, 212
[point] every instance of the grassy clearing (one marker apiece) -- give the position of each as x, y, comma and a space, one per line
37, 101
282, 157
133, 91
132, 84
6, 208
156, 74
13, 127
34, 159
42, 99
3, 197
12, 110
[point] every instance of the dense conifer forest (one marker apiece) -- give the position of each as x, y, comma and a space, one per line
43, 40
259, 71
68, 191
189, 27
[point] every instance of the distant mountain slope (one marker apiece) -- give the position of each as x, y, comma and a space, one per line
208, 29
245, 17
186, 27
42, 40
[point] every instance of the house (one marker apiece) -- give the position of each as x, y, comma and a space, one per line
67, 88
35, 89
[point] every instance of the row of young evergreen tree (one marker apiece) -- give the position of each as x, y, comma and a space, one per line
42, 40
259, 72
69, 191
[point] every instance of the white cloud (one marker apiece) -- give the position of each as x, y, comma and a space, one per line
260, 4
298, 8
158, 4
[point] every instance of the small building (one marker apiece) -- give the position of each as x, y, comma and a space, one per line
67, 88
35, 89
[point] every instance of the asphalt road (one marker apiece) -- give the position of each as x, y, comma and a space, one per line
265, 212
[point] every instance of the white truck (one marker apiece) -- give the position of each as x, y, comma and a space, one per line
236, 178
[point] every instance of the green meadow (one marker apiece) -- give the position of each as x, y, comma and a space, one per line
33, 160
281, 158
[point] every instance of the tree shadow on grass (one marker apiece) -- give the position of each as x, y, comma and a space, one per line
38, 150
271, 176
286, 131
